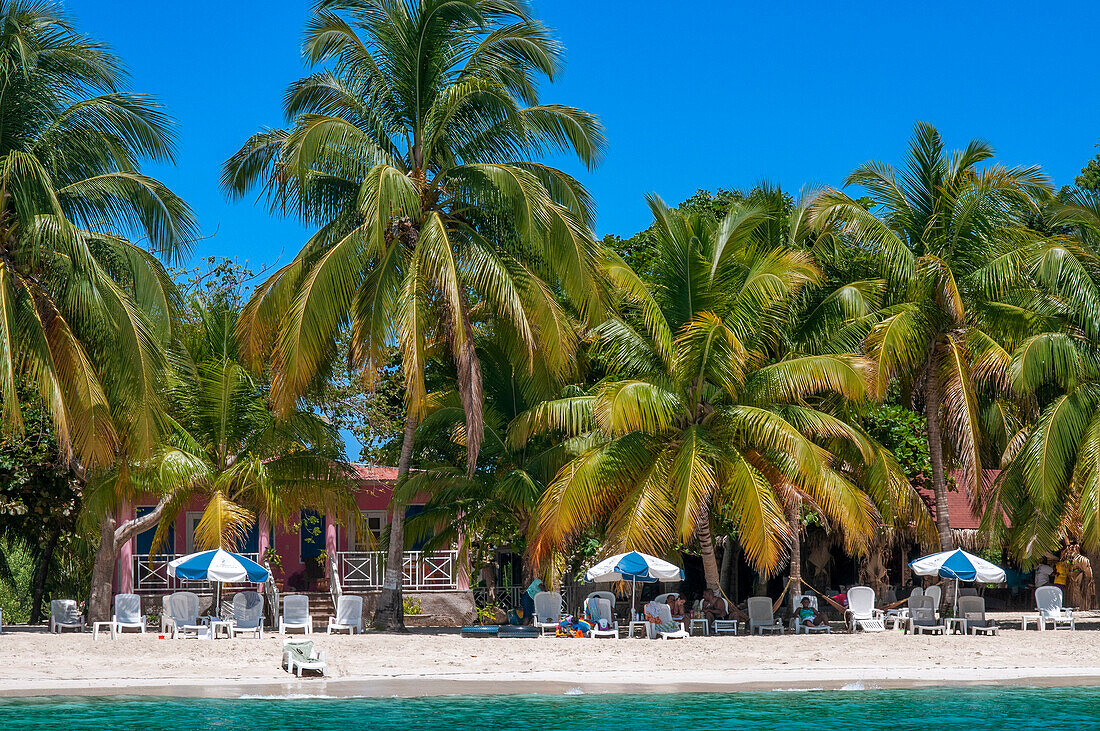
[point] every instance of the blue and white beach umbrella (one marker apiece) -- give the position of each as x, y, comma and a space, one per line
960, 566
217, 565
633, 567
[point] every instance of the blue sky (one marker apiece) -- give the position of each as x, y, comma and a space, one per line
693, 94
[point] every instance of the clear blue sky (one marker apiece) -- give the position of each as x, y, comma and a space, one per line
693, 94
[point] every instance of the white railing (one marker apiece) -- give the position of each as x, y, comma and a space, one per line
423, 570
151, 575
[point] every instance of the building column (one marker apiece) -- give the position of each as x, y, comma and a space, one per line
125, 567
263, 537
330, 544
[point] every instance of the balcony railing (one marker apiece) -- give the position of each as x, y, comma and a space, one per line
422, 570
151, 576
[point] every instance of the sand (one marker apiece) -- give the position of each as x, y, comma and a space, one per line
442, 662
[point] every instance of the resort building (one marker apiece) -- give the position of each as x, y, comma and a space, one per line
321, 555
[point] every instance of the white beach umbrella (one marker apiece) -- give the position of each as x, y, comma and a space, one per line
960, 566
633, 567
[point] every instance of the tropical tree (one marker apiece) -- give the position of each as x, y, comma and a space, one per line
949, 231
225, 446
83, 309
409, 151
706, 413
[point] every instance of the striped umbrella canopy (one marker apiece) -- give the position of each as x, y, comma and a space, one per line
217, 565
960, 566
634, 567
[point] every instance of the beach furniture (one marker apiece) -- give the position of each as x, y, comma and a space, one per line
299, 655
295, 614
181, 615
923, 620
602, 616
898, 616
512, 630
65, 614
972, 609
481, 630
127, 614
797, 625
862, 614
349, 615
1048, 600
725, 626
248, 614
609, 596
548, 608
660, 623
936, 592
761, 617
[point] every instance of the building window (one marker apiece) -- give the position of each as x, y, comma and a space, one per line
375, 522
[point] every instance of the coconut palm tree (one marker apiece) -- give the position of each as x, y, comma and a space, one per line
411, 153
225, 446
705, 412
83, 309
950, 232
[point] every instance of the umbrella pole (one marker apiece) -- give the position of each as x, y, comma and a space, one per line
956, 611
633, 586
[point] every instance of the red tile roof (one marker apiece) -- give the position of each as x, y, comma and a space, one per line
960, 504
372, 473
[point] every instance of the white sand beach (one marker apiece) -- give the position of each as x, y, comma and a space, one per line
442, 662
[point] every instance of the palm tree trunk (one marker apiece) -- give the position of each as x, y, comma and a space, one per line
41, 571
932, 402
706, 549
390, 613
793, 517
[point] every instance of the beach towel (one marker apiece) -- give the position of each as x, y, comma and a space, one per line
653, 616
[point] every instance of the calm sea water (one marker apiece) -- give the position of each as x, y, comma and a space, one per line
962, 709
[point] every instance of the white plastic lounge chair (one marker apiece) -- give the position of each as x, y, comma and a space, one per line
248, 614
181, 615
862, 614
299, 655
725, 626
797, 625
923, 620
936, 592
349, 615
899, 616
660, 629
972, 609
295, 614
64, 614
127, 614
608, 595
548, 607
602, 616
1048, 600
761, 617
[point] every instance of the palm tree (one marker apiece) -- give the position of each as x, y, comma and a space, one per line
226, 446
705, 414
83, 310
409, 153
949, 230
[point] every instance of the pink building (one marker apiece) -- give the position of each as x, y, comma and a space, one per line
356, 559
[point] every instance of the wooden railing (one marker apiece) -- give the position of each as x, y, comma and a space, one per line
151, 576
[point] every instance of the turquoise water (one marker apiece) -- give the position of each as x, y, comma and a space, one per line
1012, 708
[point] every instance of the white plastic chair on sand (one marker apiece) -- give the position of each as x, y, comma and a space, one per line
1048, 600
761, 617
898, 616
248, 614
127, 614
972, 609
665, 628
349, 615
602, 617
936, 592
862, 614
299, 655
548, 608
797, 625
725, 626
922, 620
608, 595
181, 615
296, 614
65, 614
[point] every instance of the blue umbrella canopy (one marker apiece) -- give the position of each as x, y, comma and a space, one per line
217, 565
634, 566
960, 565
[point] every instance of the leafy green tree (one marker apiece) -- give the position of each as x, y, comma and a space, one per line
83, 310
949, 230
410, 152
706, 413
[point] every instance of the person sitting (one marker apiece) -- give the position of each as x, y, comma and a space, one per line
714, 607
675, 604
808, 615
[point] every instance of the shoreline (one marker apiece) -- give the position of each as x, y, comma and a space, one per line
557, 683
